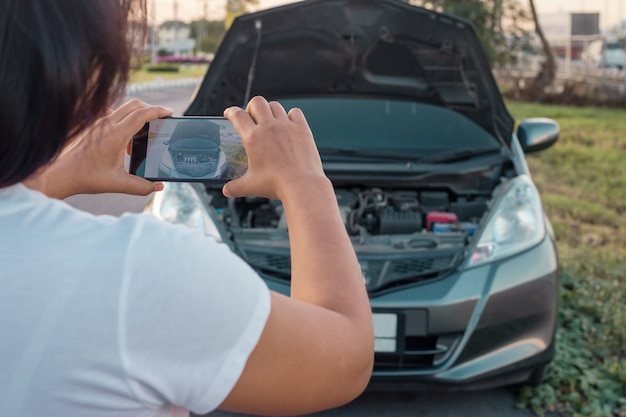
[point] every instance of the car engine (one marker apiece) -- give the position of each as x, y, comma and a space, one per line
370, 212
400, 235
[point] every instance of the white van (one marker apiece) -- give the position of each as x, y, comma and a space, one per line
605, 53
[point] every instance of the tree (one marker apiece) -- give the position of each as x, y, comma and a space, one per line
208, 34
500, 24
472, 10
502, 27
236, 8
547, 73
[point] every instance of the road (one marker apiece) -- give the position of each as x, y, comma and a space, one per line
492, 403
496, 403
500, 403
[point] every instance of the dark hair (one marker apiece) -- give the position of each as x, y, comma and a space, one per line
62, 64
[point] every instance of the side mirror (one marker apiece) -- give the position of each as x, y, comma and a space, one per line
537, 134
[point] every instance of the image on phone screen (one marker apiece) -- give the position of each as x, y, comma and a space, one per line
188, 149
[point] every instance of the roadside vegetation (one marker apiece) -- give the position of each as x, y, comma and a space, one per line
582, 180
167, 71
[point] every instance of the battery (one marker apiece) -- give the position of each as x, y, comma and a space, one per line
464, 227
469, 227
444, 227
439, 217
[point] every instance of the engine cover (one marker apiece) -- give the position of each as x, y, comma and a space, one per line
399, 222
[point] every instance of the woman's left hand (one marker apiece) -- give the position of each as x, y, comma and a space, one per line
94, 162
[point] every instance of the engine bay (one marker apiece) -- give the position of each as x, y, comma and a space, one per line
369, 214
403, 232
401, 236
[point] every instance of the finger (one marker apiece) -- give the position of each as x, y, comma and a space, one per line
233, 187
138, 118
117, 115
134, 185
240, 119
259, 109
131, 107
277, 110
296, 115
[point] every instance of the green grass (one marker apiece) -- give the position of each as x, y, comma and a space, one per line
185, 71
582, 180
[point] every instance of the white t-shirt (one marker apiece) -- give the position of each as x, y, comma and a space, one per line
131, 316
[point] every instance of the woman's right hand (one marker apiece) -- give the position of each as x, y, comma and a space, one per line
317, 348
282, 154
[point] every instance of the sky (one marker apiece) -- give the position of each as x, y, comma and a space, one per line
611, 11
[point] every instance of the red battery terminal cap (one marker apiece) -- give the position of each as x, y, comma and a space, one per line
439, 217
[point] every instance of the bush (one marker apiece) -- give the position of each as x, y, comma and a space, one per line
582, 180
587, 378
163, 68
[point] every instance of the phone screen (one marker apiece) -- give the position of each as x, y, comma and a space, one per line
202, 149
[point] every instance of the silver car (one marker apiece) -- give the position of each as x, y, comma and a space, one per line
456, 251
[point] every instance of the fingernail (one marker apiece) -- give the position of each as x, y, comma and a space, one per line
231, 109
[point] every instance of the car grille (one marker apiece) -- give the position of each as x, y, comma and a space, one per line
195, 164
416, 353
383, 273
414, 348
420, 353
379, 273
402, 341
270, 262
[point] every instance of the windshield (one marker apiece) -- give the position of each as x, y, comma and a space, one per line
614, 46
390, 126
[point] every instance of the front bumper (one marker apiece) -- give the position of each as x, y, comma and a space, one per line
483, 327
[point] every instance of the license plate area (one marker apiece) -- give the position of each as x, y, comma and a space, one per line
385, 332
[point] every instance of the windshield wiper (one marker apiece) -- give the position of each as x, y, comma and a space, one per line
433, 158
457, 155
368, 153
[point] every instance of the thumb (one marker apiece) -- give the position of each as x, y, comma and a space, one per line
237, 187
135, 185
230, 188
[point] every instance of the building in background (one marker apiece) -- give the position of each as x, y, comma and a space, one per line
175, 38
568, 33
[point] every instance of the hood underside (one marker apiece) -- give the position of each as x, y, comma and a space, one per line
382, 48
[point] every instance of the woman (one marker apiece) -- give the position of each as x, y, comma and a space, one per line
129, 316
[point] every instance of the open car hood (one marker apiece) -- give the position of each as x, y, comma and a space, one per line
374, 48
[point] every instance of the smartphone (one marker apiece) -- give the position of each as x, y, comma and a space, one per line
198, 149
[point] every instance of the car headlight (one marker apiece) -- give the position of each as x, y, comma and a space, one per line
179, 203
515, 224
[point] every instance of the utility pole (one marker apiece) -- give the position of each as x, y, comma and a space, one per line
198, 35
621, 17
153, 34
205, 15
201, 32
176, 50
